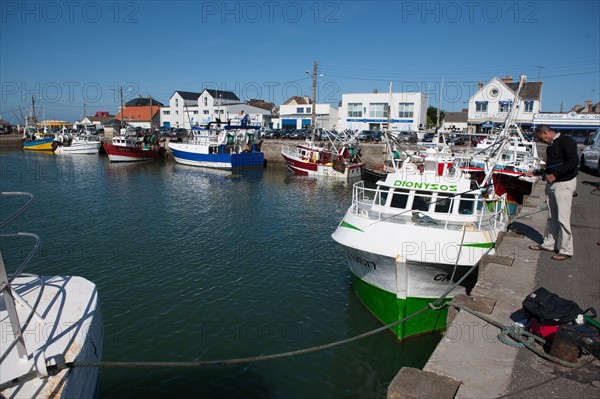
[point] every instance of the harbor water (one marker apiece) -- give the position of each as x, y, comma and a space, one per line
194, 264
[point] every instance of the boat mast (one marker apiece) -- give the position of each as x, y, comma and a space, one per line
439, 111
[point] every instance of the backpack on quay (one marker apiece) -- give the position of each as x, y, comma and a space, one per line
544, 305
549, 311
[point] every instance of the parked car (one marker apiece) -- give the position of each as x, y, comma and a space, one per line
366, 135
299, 134
456, 139
590, 156
428, 137
409, 136
273, 134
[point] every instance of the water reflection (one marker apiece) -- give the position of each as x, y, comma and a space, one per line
193, 263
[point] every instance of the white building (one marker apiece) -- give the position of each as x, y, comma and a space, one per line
490, 105
456, 122
369, 111
187, 109
572, 123
296, 113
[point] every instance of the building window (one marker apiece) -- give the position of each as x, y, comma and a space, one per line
166, 112
529, 106
504, 106
355, 110
481, 106
378, 110
406, 110
205, 101
195, 112
205, 112
177, 102
308, 110
300, 110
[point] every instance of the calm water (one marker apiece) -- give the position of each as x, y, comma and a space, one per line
193, 264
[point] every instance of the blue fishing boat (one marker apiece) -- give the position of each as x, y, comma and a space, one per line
230, 147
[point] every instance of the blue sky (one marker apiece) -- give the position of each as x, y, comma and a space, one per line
69, 53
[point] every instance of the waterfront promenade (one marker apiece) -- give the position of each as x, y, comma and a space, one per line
480, 366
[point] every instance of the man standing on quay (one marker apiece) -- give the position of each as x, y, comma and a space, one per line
560, 175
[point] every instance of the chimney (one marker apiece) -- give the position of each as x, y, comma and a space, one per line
588, 106
507, 79
375, 91
480, 85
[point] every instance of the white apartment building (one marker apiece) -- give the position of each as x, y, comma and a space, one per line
369, 111
188, 109
296, 113
490, 105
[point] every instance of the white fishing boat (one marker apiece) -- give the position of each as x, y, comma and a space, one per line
230, 147
77, 144
46, 321
419, 230
339, 158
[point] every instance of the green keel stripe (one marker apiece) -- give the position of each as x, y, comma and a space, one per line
348, 225
480, 245
388, 309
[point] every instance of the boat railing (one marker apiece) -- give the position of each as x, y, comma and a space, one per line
472, 208
9, 296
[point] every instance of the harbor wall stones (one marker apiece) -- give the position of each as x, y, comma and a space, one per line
372, 154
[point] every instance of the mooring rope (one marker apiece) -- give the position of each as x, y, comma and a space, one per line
55, 369
517, 337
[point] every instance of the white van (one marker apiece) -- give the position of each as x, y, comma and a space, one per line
591, 153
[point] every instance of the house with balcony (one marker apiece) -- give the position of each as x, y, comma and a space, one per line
296, 113
369, 111
492, 102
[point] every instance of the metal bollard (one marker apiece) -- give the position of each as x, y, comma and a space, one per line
564, 345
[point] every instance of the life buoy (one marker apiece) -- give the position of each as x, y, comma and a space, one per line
453, 172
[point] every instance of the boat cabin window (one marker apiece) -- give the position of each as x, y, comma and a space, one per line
467, 203
399, 199
443, 202
421, 201
382, 198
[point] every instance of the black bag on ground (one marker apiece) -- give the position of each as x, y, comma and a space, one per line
542, 304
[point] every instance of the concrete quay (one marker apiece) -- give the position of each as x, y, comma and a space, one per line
470, 362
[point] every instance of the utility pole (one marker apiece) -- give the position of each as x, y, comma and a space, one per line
539, 67
313, 116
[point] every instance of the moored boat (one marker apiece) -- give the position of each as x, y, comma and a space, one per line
38, 141
340, 159
46, 321
228, 148
77, 144
46, 144
506, 156
132, 149
408, 239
